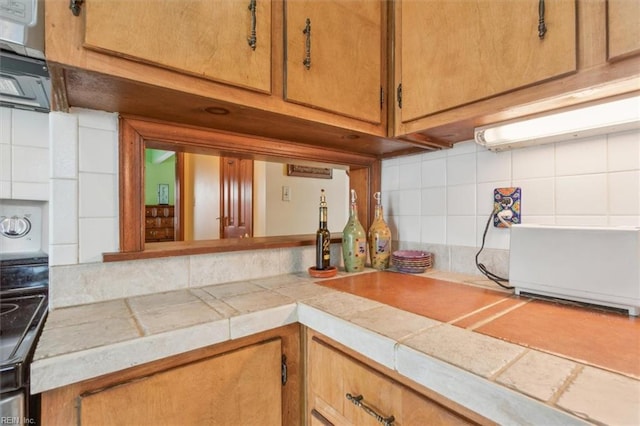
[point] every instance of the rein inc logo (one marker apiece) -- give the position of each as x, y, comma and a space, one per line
17, 420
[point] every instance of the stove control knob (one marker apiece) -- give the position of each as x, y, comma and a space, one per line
14, 226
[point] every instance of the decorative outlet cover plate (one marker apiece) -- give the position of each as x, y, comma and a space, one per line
506, 199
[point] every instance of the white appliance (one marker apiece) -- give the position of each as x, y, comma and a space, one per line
597, 265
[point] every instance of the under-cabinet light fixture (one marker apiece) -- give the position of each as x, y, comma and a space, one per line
609, 117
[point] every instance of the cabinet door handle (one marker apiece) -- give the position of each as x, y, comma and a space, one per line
252, 39
307, 44
542, 27
358, 402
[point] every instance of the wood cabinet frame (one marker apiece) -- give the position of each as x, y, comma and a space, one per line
60, 405
137, 133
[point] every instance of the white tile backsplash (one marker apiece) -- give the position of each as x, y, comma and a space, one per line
434, 172
538, 197
434, 201
98, 150
5, 163
494, 166
461, 230
64, 212
461, 199
623, 151
98, 195
461, 169
30, 191
5, 126
587, 155
64, 145
410, 201
588, 182
533, 162
30, 164
96, 236
581, 195
624, 193
390, 176
96, 119
30, 129
24, 151
409, 176
434, 229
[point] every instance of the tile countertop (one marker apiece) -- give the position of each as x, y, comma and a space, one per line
505, 382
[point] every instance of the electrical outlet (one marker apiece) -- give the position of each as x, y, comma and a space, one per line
506, 206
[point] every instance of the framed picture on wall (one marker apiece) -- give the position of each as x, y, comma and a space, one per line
307, 171
163, 193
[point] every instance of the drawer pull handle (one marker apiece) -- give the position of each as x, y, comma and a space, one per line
358, 402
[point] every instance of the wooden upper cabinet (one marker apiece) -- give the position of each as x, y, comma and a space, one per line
456, 52
335, 53
210, 39
623, 28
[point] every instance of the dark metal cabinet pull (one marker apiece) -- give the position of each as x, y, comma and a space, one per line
542, 27
307, 44
357, 401
252, 39
75, 6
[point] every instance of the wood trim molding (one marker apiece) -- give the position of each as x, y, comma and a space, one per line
137, 133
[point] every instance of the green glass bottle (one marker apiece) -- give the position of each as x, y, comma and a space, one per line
323, 237
354, 240
379, 238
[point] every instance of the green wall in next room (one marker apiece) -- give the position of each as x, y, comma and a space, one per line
158, 171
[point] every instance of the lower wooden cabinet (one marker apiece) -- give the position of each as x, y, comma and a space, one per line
237, 388
234, 383
342, 390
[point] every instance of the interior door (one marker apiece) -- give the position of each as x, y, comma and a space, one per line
236, 179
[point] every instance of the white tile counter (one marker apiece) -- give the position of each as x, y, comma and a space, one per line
507, 383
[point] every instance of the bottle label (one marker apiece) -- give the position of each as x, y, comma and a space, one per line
382, 245
325, 247
361, 247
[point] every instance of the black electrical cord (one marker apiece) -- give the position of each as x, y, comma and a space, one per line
493, 277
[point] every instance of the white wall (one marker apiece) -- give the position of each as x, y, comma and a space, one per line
300, 214
444, 198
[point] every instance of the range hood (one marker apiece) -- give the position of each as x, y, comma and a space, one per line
24, 75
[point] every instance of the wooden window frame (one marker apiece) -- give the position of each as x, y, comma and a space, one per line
137, 133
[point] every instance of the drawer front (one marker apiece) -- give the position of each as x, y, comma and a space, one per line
159, 234
334, 375
345, 391
159, 211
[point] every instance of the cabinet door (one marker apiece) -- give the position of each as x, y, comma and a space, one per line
456, 52
206, 38
242, 387
623, 28
335, 62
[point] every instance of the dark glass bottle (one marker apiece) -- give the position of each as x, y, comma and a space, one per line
323, 237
